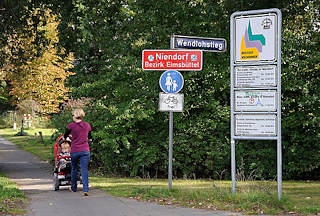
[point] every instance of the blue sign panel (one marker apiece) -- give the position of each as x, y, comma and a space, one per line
171, 81
199, 43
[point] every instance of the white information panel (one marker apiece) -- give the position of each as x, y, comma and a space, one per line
255, 66
256, 100
255, 125
171, 102
256, 76
256, 38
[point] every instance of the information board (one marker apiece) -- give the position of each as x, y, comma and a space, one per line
256, 100
255, 66
255, 125
255, 73
256, 76
256, 38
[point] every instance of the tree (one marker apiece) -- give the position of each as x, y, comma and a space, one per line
14, 15
39, 73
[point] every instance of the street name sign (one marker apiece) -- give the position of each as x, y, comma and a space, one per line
201, 43
172, 60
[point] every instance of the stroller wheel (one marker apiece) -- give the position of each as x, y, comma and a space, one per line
55, 182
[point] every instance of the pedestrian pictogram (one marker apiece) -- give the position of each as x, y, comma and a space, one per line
171, 81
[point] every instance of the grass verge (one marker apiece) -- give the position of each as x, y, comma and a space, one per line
252, 197
31, 143
12, 200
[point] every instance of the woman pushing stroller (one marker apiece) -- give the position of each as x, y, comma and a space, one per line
80, 151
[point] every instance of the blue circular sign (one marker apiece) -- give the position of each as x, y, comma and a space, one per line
171, 81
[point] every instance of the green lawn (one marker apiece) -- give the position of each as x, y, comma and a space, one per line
252, 197
12, 201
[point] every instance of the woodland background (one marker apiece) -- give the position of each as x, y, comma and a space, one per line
57, 55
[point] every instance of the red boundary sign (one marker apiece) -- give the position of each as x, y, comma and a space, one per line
172, 60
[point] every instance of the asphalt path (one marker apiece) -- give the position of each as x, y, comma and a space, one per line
33, 176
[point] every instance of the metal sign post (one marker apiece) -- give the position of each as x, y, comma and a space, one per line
255, 64
172, 103
170, 149
15, 121
171, 82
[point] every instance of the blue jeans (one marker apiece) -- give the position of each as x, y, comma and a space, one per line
83, 157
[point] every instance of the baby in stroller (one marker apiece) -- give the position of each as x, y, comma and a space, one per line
62, 169
64, 154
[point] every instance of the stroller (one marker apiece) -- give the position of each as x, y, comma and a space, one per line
62, 167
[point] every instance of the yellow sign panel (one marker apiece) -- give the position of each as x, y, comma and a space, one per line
248, 53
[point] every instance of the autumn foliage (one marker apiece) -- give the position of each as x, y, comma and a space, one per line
37, 71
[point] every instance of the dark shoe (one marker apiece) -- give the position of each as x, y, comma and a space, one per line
71, 190
85, 194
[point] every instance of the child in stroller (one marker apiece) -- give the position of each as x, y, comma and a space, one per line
62, 160
64, 156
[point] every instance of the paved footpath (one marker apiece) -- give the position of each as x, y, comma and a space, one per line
34, 178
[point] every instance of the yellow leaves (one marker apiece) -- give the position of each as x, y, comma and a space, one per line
40, 77
140, 42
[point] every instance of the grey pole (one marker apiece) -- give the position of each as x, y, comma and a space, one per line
279, 145
233, 166
15, 121
279, 170
170, 149
233, 151
170, 135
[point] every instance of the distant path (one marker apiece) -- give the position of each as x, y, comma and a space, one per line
34, 178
